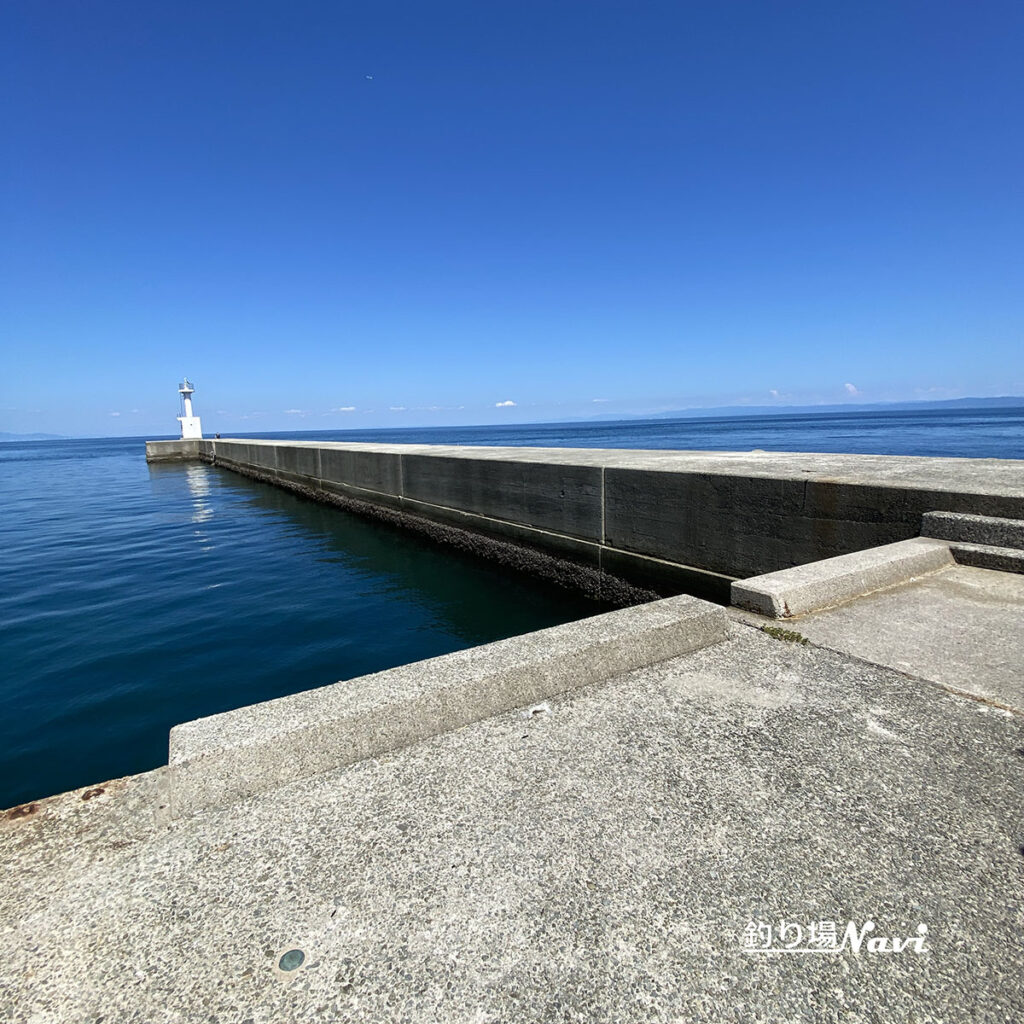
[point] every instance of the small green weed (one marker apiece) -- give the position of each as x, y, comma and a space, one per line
790, 636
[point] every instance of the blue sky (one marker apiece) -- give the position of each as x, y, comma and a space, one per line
339, 214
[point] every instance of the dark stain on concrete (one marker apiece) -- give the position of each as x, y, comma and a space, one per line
22, 811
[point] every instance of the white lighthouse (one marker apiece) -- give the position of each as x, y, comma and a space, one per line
190, 425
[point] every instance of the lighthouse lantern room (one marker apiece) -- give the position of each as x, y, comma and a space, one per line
190, 425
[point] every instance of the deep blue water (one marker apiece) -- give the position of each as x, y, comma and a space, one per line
137, 596
968, 433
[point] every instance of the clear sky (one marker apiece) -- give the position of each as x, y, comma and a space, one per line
362, 214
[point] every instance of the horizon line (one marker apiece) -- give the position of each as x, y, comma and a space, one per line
691, 412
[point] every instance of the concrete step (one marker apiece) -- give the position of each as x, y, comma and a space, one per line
217, 760
988, 556
832, 581
974, 530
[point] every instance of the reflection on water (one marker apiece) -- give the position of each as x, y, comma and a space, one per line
453, 591
143, 596
197, 477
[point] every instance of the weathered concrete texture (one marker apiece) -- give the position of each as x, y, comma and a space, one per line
666, 519
172, 451
378, 473
832, 581
596, 862
988, 530
573, 567
563, 499
251, 750
747, 514
299, 464
982, 556
962, 627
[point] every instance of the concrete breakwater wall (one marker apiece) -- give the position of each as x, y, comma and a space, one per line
664, 520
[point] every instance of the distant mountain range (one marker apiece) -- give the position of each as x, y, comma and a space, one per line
713, 412
1006, 401
4, 436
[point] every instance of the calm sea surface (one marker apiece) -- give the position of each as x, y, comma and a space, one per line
137, 596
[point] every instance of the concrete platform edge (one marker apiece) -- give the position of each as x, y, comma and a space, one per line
184, 450
219, 760
831, 581
984, 556
961, 527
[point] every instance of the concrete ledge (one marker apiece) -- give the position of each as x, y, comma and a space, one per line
360, 494
218, 760
562, 545
172, 451
808, 588
665, 578
959, 526
984, 556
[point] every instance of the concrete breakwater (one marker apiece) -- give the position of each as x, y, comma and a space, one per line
620, 817
625, 525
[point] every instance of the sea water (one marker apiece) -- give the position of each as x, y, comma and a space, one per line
138, 596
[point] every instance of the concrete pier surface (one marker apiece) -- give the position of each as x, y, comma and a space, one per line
805, 807
961, 627
616, 854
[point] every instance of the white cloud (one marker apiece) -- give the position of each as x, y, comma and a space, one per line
507, 404
396, 408
115, 414
296, 412
851, 389
945, 392
774, 392
600, 399
345, 408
